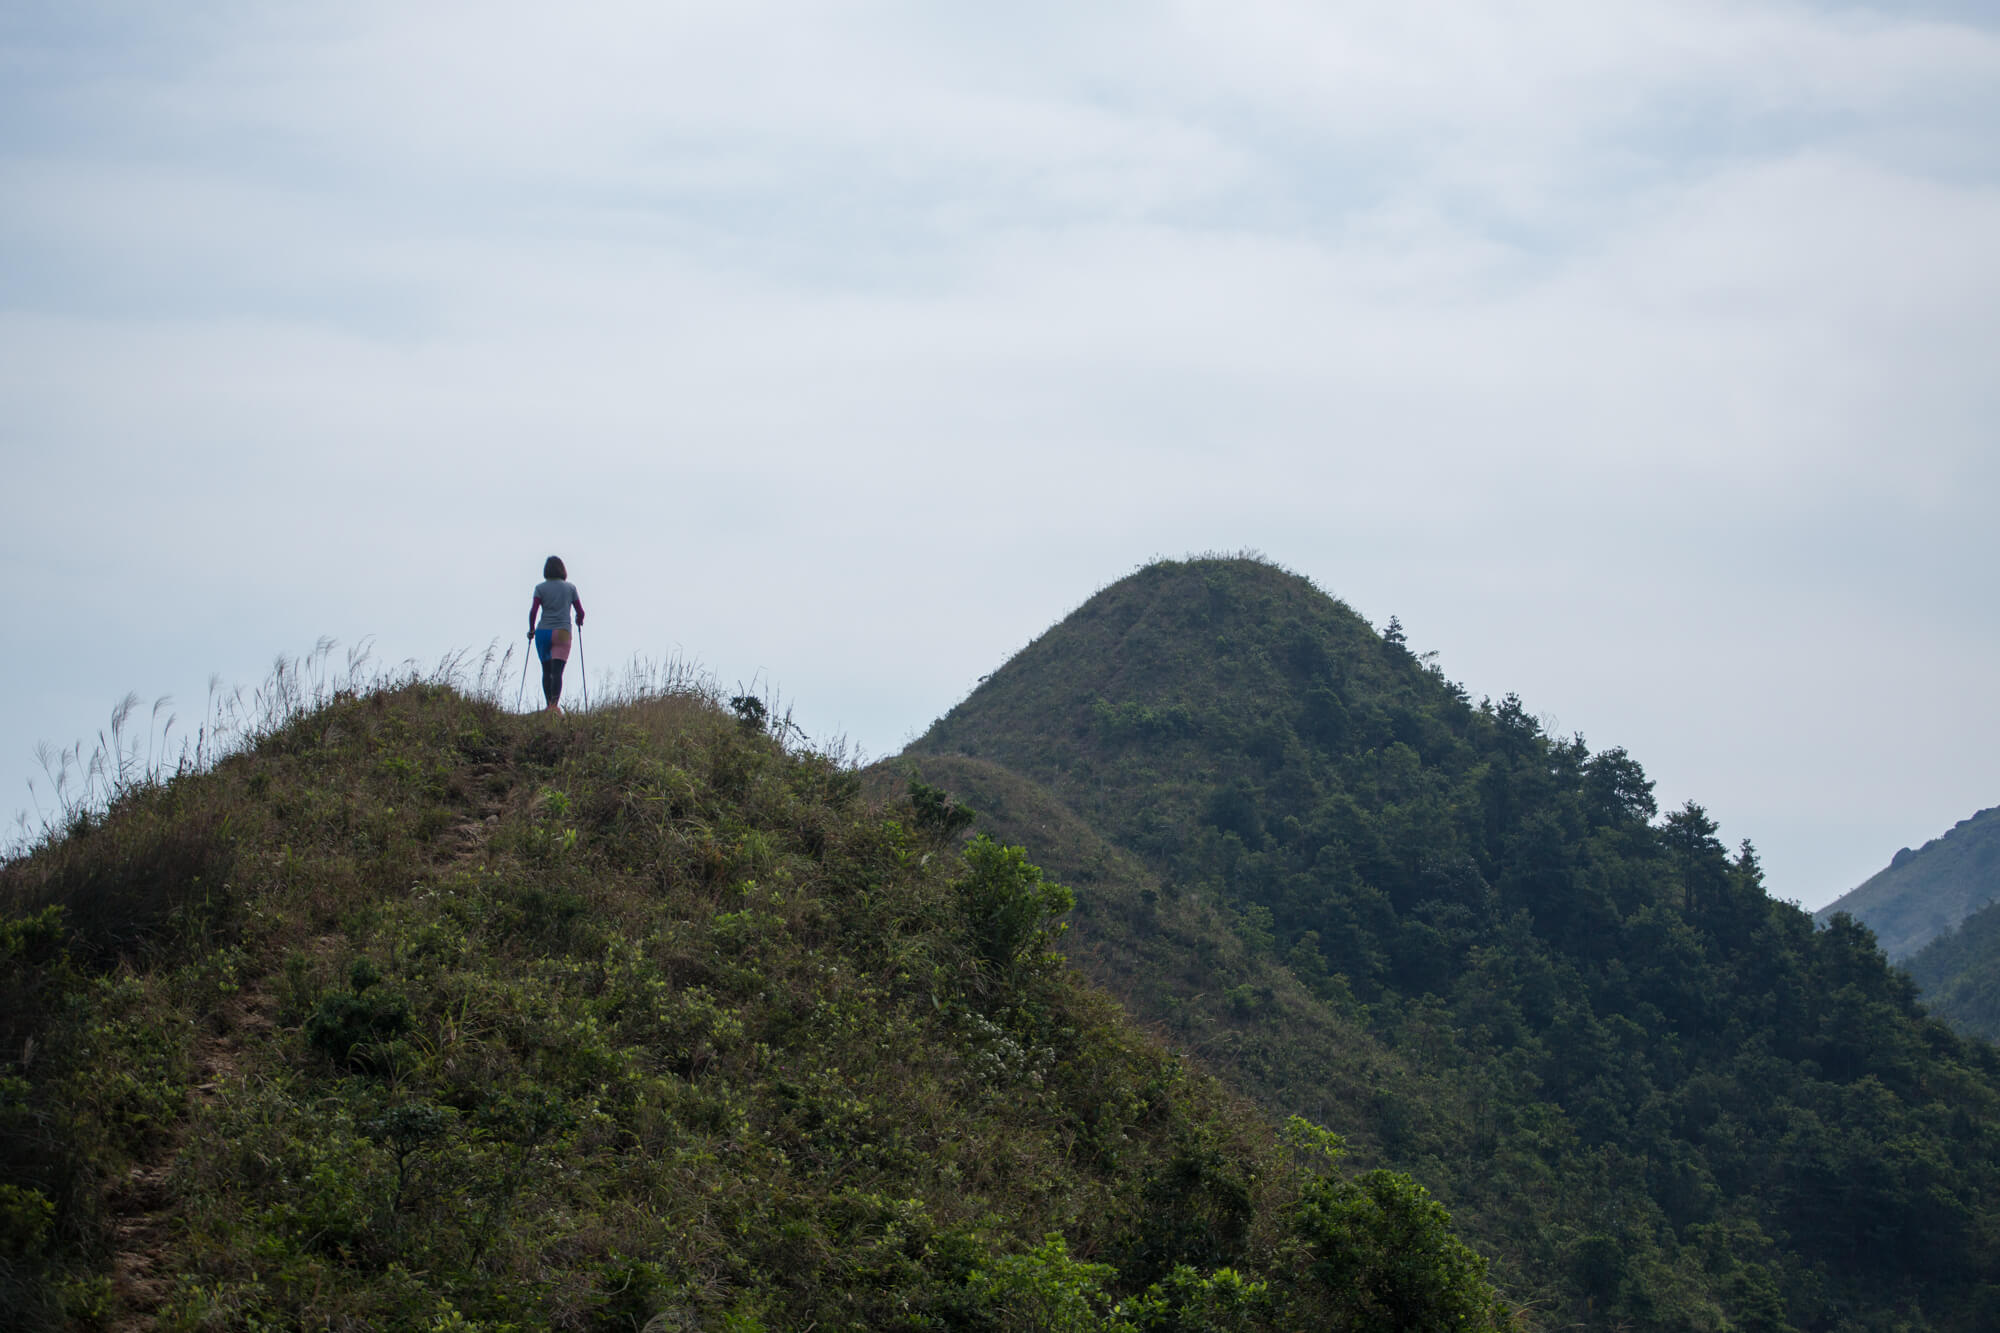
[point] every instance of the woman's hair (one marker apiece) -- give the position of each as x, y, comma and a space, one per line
552, 568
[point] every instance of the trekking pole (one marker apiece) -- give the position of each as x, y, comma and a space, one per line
522, 692
581, 669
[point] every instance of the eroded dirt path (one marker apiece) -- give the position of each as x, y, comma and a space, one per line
142, 1212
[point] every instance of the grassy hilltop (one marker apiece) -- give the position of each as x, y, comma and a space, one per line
1658, 1098
412, 1013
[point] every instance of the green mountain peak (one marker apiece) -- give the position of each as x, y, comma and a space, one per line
1656, 1097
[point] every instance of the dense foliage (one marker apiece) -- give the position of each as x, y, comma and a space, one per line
1959, 974
1926, 891
1657, 1097
415, 1014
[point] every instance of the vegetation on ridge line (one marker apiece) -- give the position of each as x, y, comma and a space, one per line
417, 1014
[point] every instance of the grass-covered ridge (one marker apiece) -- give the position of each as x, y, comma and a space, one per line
1660, 1099
417, 1014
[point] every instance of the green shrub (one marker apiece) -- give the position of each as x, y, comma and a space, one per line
1043, 1291
35, 970
1010, 907
354, 1027
937, 811
1186, 1302
1383, 1252
25, 1218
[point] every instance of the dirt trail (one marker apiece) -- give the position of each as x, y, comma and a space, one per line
139, 1223
142, 1215
468, 836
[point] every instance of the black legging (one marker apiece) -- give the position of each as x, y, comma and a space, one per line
552, 678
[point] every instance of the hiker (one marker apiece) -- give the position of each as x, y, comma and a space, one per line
554, 596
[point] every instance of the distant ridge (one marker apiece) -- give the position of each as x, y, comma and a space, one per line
1922, 894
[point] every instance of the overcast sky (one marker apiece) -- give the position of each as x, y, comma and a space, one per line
1643, 358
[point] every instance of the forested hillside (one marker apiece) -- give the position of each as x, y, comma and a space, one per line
414, 1014
1661, 1099
1959, 974
1925, 892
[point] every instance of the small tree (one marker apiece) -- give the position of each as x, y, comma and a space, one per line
751, 714
1009, 906
1383, 1252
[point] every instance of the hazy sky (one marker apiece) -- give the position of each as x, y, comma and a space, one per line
1643, 358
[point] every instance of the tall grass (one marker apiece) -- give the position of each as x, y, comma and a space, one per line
81, 781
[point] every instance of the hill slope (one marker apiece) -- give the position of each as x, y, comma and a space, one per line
1179, 963
1209, 981
1923, 893
1662, 1098
418, 1015
1959, 974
